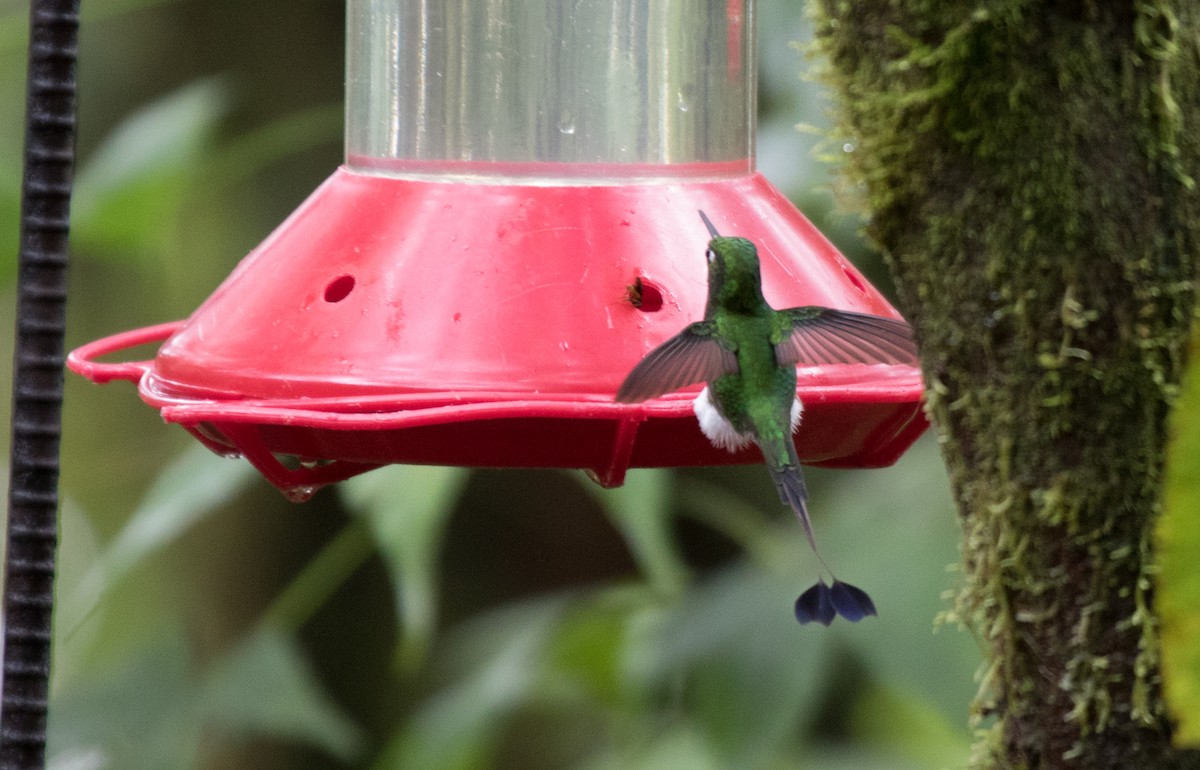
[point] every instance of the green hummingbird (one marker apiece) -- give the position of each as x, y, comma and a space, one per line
747, 353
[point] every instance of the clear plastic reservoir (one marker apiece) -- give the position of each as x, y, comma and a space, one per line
583, 90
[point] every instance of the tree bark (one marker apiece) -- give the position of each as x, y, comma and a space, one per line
1029, 171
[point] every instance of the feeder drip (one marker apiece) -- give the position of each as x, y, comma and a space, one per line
32, 531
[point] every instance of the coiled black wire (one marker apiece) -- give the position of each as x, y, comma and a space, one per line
32, 532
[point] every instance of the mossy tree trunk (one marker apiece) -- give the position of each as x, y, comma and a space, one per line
1029, 170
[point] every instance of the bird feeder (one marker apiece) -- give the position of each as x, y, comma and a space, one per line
514, 227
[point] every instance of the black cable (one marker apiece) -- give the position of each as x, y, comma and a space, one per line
32, 533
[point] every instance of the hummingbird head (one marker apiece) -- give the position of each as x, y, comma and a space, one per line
734, 282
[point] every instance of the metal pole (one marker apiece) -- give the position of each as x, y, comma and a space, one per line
32, 532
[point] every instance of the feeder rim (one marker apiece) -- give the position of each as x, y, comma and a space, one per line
182, 404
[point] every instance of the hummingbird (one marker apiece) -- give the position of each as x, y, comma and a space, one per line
746, 353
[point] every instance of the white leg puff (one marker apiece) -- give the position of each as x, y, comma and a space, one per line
719, 430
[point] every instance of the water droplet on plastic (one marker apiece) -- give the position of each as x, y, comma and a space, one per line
300, 494
566, 125
848, 147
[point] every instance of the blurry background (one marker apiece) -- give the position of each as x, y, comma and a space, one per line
517, 619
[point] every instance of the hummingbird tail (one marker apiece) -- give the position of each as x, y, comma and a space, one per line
820, 603
789, 480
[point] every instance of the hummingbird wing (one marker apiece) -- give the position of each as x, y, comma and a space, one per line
693, 355
822, 335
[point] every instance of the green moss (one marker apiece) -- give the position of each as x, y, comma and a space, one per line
1026, 170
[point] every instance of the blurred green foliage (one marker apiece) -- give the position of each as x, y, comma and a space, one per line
1178, 584
427, 617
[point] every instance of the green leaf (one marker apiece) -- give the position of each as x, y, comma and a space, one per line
894, 532
1178, 582
735, 517
909, 728
14, 20
503, 656
128, 195
10, 221
140, 715
78, 552
264, 687
406, 508
151, 711
192, 486
273, 142
851, 756
680, 746
589, 647
755, 677
321, 577
641, 511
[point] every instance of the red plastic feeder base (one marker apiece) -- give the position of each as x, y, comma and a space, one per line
398, 321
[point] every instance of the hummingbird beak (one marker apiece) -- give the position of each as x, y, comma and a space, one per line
711, 230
